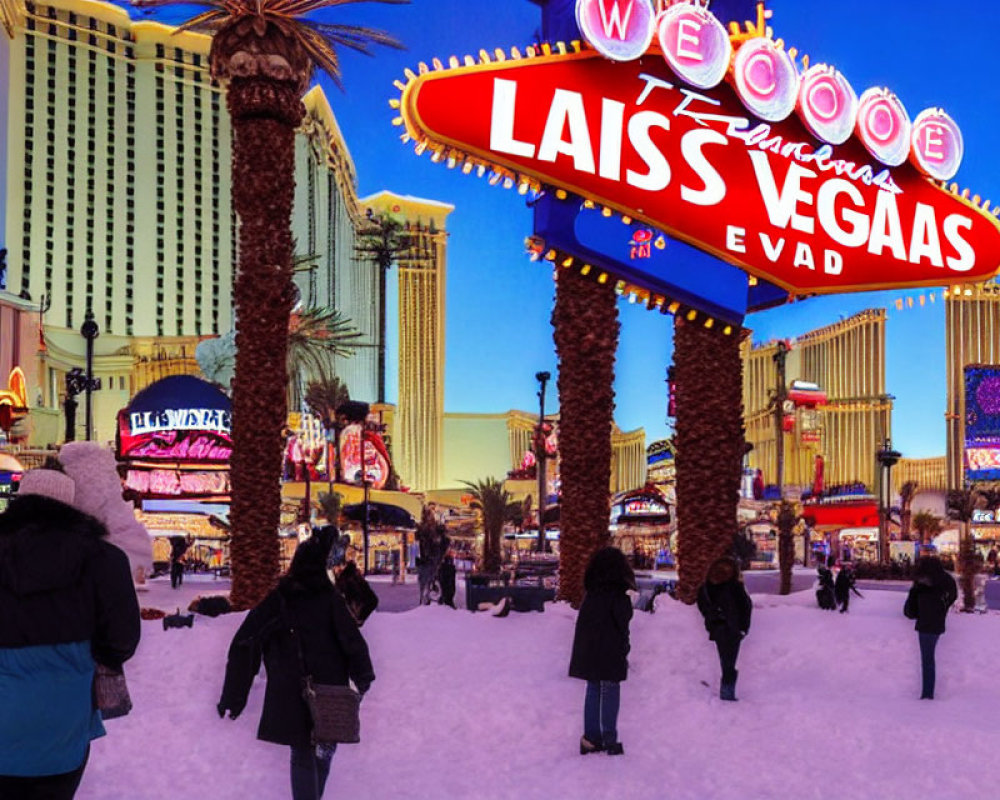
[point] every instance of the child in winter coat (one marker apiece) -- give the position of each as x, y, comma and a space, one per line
726, 607
601, 646
931, 596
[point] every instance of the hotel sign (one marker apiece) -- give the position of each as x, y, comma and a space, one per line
788, 176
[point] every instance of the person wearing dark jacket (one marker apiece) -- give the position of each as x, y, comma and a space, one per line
446, 580
932, 594
825, 595
726, 607
66, 603
843, 587
601, 647
333, 650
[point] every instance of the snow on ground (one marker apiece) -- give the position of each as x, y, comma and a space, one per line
475, 707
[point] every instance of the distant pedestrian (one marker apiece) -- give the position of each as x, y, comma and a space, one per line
825, 595
304, 611
67, 606
843, 587
726, 607
933, 593
178, 549
601, 646
446, 580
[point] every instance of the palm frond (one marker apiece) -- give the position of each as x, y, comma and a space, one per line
356, 37
207, 20
316, 337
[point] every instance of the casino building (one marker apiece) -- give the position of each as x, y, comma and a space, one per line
115, 162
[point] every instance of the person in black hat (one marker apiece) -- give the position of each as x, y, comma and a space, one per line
333, 650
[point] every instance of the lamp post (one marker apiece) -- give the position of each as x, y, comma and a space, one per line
780, 395
887, 458
90, 331
542, 378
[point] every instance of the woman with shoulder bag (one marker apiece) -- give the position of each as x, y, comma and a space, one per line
303, 632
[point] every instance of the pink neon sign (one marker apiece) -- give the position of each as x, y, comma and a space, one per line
766, 79
936, 144
695, 45
883, 126
618, 29
827, 104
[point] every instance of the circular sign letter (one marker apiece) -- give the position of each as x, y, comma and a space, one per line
936, 144
884, 126
766, 79
617, 29
695, 45
827, 104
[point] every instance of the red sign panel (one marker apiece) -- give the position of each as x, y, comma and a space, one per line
194, 446
765, 196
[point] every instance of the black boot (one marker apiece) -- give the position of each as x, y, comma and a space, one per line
727, 690
587, 746
615, 749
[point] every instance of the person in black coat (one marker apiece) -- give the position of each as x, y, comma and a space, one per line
932, 594
360, 597
67, 604
446, 580
333, 649
843, 587
726, 607
601, 646
825, 595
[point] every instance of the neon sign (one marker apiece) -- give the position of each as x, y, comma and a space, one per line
618, 29
827, 104
695, 45
766, 197
766, 79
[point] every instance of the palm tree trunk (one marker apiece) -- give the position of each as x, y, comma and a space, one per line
265, 115
709, 434
585, 322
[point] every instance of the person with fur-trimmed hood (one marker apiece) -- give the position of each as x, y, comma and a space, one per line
724, 603
601, 646
67, 604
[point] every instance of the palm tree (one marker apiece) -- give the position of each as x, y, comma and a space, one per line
382, 242
927, 525
585, 323
264, 52
710, 446
323, 398
317, 336
492, 500
906, 494
961, 504
787, 520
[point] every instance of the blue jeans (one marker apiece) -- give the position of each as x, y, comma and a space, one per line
928, 641
310, 768
600, 712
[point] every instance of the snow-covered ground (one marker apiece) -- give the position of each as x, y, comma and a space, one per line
480, 708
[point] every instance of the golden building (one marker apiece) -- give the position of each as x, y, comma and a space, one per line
115, 164
847, 361
418, 429
930, 474
972, 336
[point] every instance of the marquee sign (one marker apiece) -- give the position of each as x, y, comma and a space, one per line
834, 197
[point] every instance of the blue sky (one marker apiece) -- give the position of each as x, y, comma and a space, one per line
498, 303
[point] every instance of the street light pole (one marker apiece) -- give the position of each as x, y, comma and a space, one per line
887, 458
540, 456
90, 331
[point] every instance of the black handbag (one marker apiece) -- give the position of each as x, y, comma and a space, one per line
111, 692
335, 711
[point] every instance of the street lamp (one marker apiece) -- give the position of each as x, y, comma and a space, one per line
887, 458
542, 378
90, 331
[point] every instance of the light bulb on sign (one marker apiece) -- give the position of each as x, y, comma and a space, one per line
767, 80
827, 104
883, 126
936, 146
694, 44
617, 29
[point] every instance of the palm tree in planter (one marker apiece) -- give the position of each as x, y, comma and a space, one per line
961, 504
927, 525
585, 329
492, 500
264, 53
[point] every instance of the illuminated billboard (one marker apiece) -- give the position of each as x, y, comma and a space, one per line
982, 422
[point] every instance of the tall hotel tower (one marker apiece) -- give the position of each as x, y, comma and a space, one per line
847, 360
115, 159
418, 428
